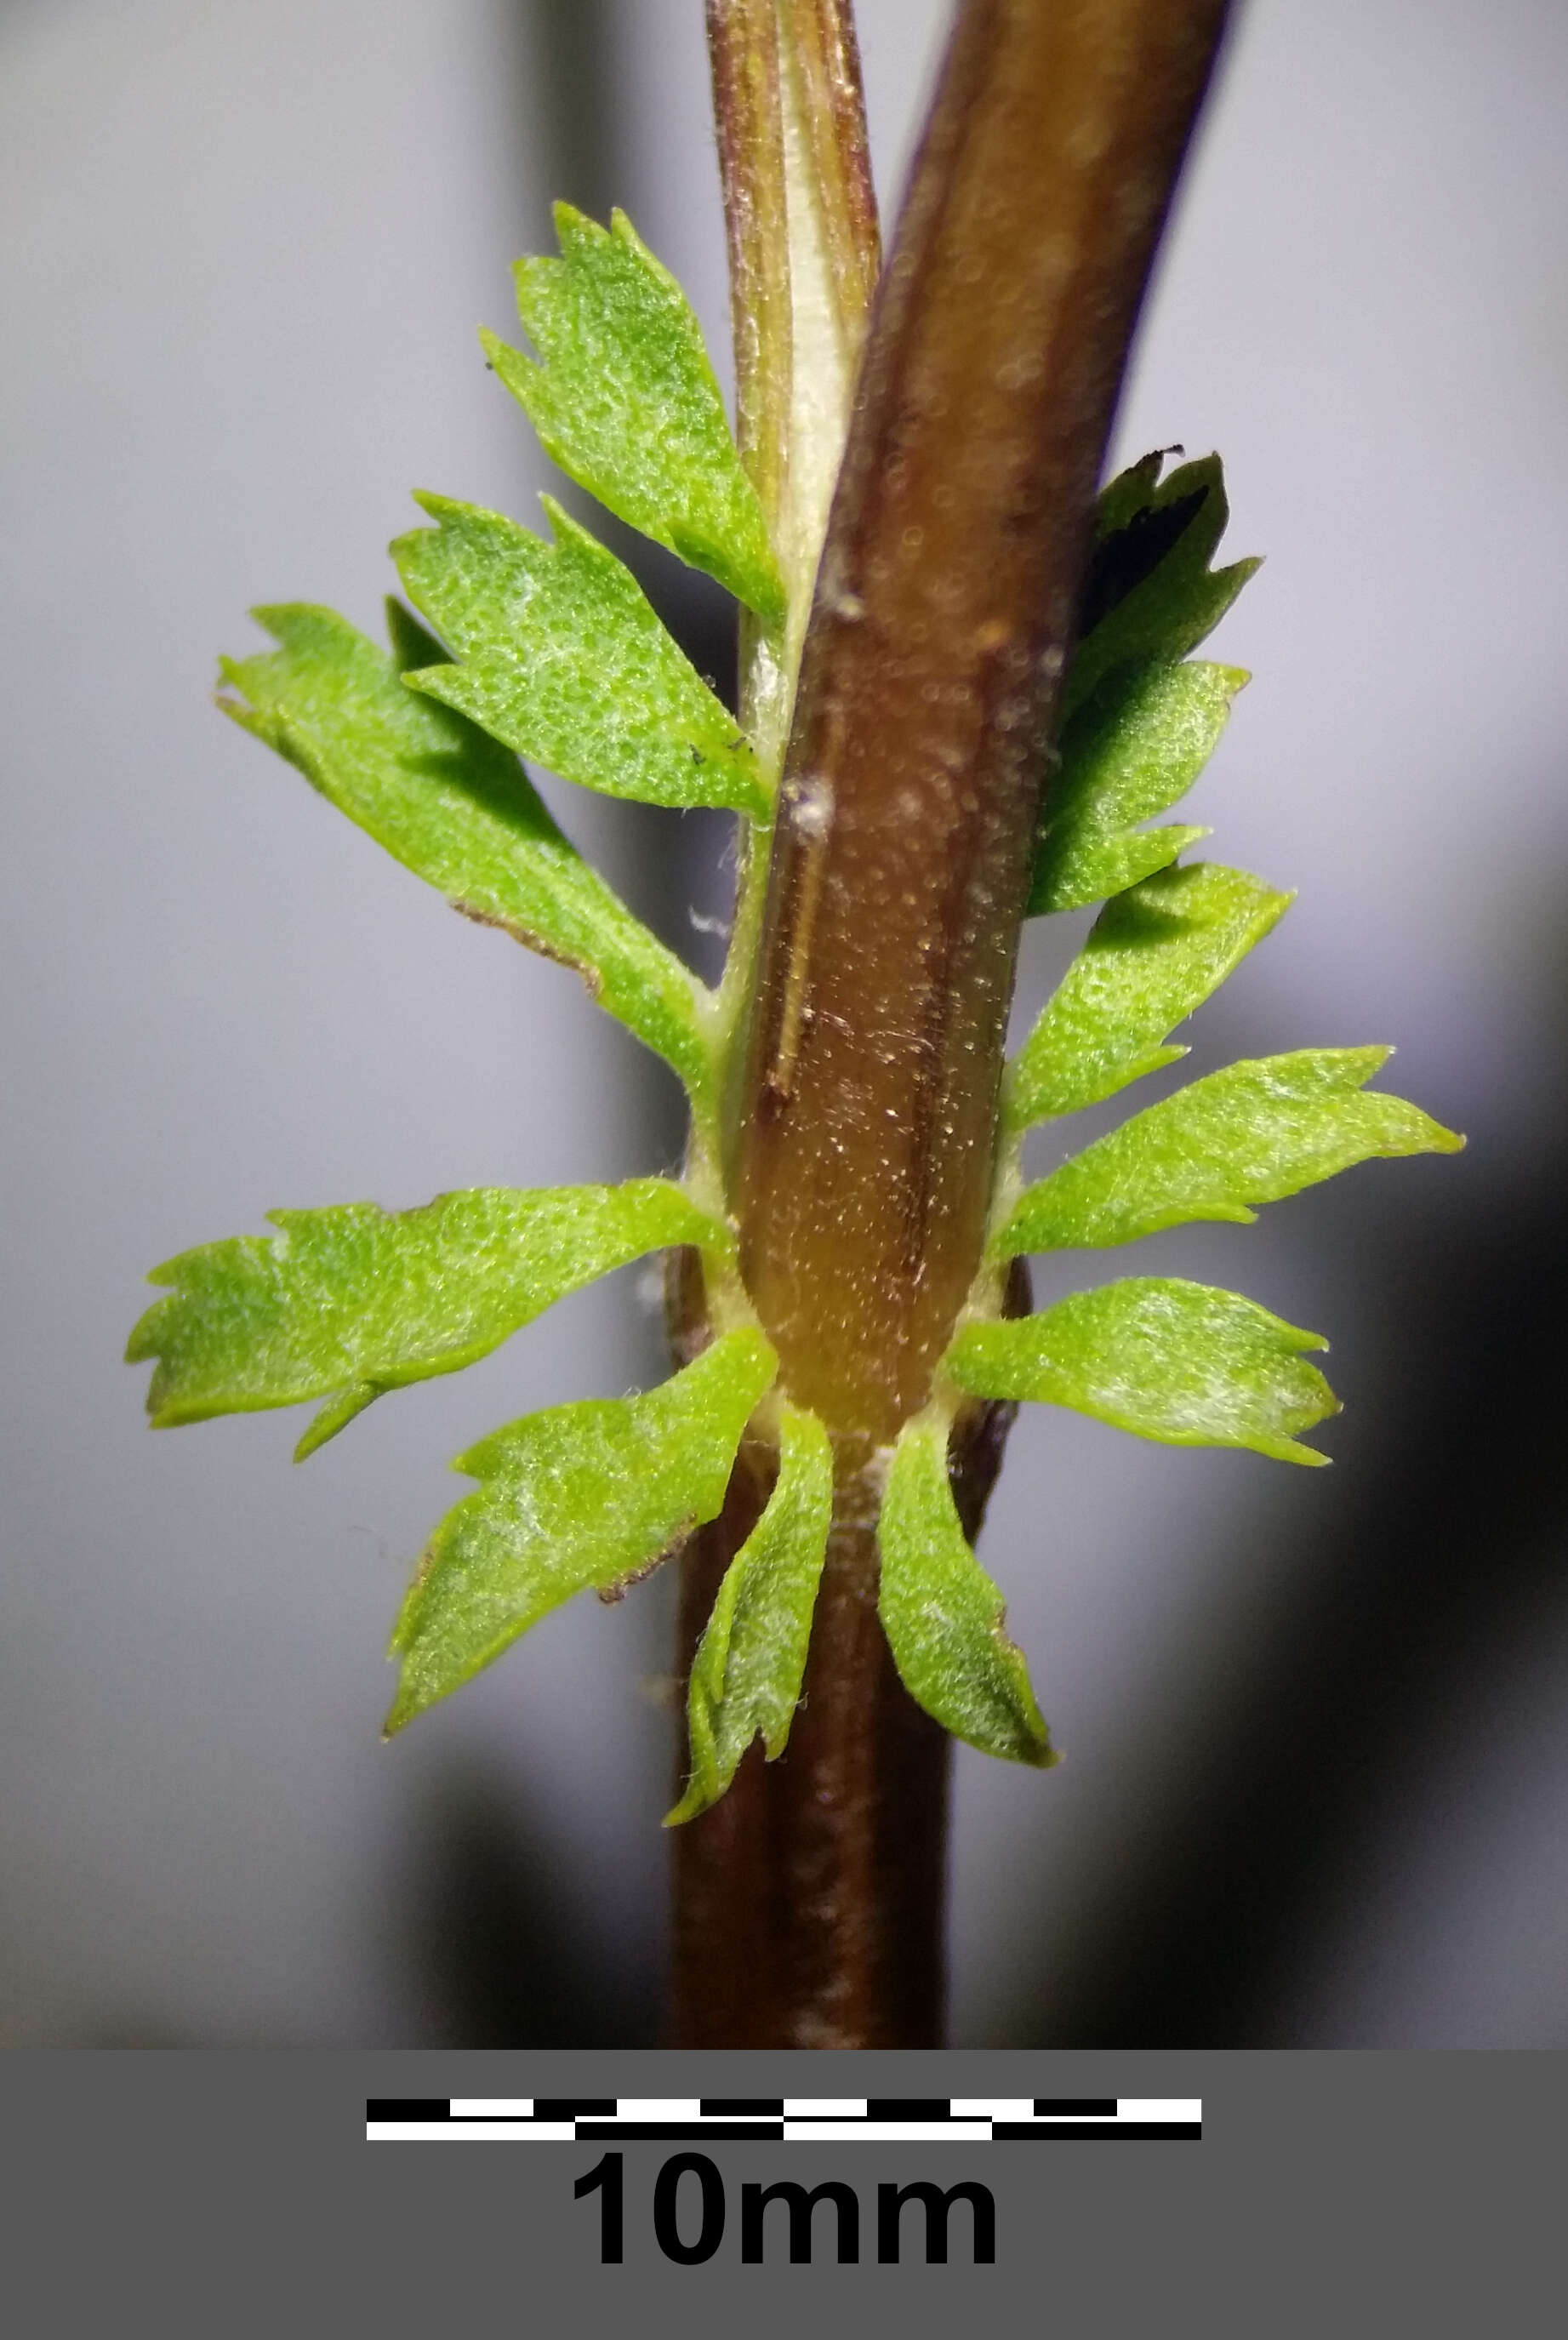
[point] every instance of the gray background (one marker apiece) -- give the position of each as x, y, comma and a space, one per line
1421, 2190
1317, 1747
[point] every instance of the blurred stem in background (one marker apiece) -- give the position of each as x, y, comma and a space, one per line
809, 1903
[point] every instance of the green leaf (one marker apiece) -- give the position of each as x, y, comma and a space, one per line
355, 1299
1137, 725
1149, 595
590, 1495
564, 659
626, 402
942, 1614
1122, 760
1154, 954
1251, 1134
746, 1676
457, 809
1165, 1359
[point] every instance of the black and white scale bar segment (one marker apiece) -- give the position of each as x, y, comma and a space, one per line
781, 2120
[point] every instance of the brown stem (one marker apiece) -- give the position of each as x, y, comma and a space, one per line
809, 1901
770, 1948
773, 61
748, 113
939, 635
822, 47
802, 222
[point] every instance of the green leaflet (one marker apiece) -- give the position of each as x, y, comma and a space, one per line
592, 1493
1123, 759
626, 402
1137, 725
1154, 954
564, 659
457, 809
1163, 1358
746, 1676
942, 1614
1150, 596
1251, 1134
354, 1300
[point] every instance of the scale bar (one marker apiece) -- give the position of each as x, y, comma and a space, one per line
783, 2120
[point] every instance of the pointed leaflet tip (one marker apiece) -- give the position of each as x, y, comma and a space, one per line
745, 1680
942, 1614
350, 1302
438, 507
564, 659
497, 353
1180, 1362
574, 229
625, 400
578, 1497
456, 809
1253, 1133
336, 1416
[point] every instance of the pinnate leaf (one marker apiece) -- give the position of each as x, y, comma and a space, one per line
1122, 761
1150, 596
1154, 954
351, 1300
584, 1495
746, 1676
456, 807
1177, 1361
562, 657
626, 402
942, 1614
1252, 1134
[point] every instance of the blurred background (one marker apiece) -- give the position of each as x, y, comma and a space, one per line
1316, 1785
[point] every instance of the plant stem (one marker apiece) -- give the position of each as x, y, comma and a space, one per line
940, 631
801, 226
809, 1901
